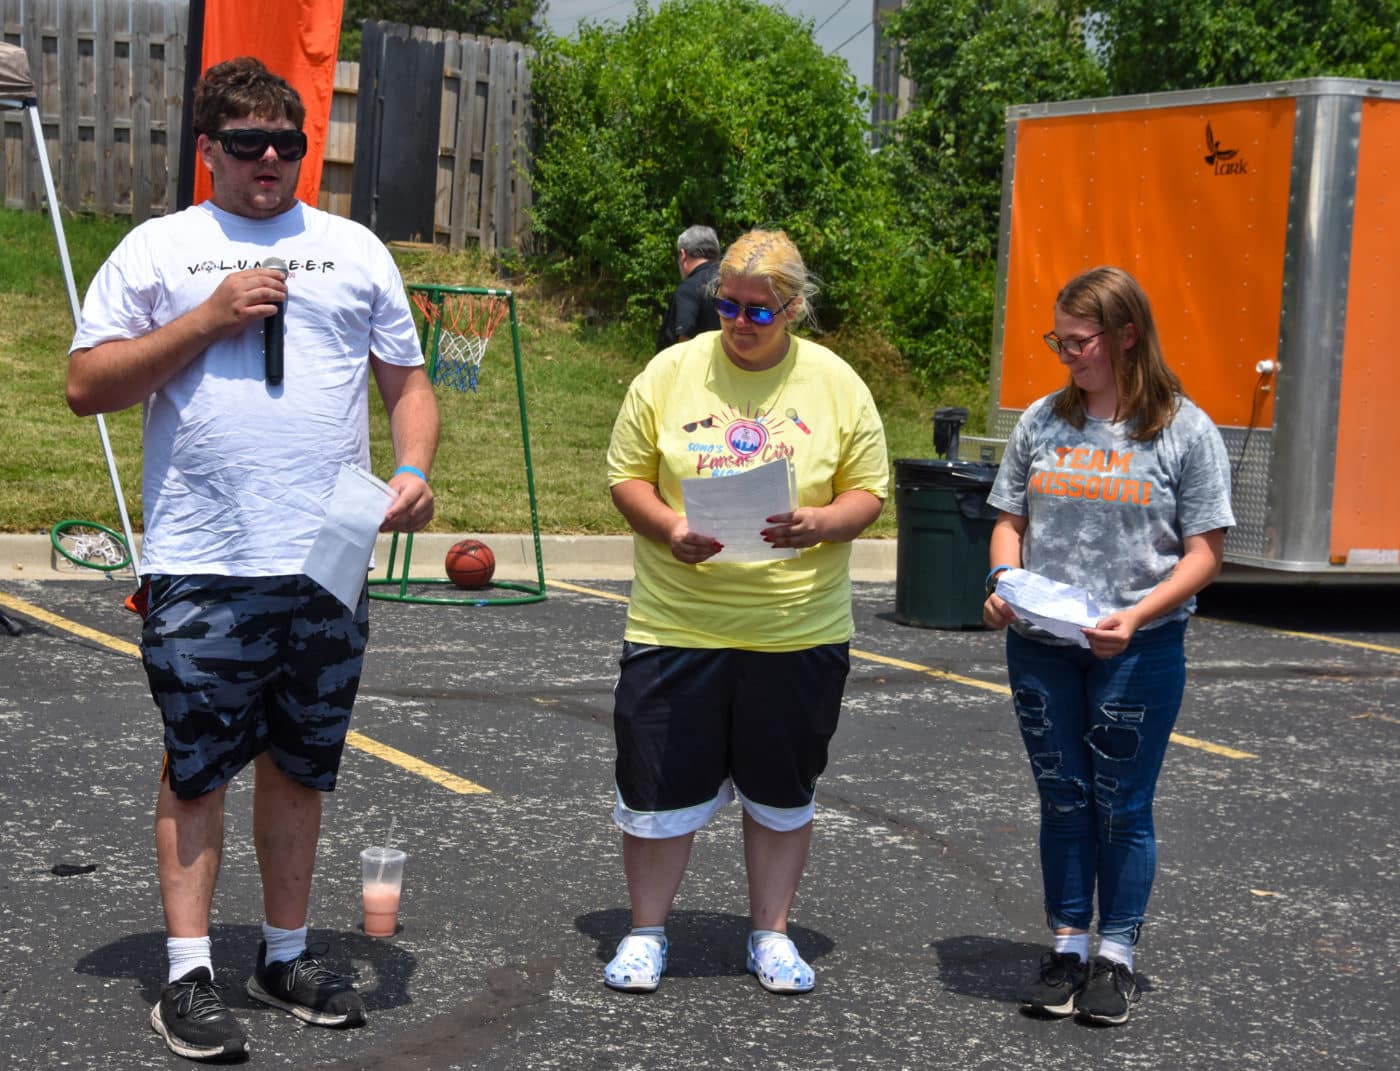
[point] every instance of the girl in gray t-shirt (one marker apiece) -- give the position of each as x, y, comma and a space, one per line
1120, 485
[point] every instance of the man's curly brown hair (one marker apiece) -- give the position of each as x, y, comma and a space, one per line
243, 87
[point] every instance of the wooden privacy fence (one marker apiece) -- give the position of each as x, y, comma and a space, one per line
109, 80
442, 137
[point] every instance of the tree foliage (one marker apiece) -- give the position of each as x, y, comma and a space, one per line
514, 20
720, 112
969, 59
1192, 44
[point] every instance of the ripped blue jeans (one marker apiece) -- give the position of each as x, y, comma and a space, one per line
1096, 732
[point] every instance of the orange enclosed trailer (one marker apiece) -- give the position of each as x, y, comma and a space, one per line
1264, 223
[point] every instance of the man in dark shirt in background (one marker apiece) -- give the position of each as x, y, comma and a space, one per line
692, 307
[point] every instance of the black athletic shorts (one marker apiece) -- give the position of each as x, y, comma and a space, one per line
689, 720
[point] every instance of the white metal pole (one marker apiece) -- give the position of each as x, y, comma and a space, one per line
56, 215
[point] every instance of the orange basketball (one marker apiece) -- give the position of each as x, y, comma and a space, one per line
470, 564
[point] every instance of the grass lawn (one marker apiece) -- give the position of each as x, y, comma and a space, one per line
575, 372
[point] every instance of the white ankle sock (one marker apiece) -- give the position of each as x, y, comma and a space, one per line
1078, 943
1117, 952
759, 936
184, 954
284, 945
659, 932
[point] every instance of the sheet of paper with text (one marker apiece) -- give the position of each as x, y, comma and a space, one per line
1060, 609
735, 509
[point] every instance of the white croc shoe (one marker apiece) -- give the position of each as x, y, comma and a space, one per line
774, 961
639, 964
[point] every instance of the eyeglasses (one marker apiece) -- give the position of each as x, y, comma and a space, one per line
252, 144
708, 422
758, 315
1073, 346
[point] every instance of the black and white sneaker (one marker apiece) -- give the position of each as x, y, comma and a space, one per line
1111, 991
1062, 976
307, 988
195, 1022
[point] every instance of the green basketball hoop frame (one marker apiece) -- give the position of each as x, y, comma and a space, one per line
457, 325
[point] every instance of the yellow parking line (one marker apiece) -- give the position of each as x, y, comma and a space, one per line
1362, 644
939, 674
38, 613
588, 591
1214, 749
405, 761
1001, 689
356, 740
952, 678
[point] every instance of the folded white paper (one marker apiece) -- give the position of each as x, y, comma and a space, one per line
339, 558
735, 509
1060, 609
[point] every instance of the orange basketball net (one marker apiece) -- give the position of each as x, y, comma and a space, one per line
462, 325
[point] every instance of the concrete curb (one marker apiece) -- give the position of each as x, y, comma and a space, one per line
566, 557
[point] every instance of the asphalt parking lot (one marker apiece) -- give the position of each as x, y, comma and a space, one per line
483, 735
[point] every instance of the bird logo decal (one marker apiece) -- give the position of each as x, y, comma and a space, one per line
1216, 154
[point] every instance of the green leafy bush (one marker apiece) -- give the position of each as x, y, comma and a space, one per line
969, 60
938, 312
721, 112
1150, 46
514, 20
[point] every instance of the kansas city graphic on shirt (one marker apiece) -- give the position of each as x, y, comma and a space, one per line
746, 437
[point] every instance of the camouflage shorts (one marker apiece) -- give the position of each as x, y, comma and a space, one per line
243, 665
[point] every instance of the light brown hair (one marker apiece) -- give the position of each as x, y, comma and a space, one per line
1148, 391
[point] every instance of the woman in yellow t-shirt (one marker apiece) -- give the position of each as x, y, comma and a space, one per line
733, 665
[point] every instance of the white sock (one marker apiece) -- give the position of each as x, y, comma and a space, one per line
1078, 943
759, 936
283, 945
185, 954
659, 932
1117, 952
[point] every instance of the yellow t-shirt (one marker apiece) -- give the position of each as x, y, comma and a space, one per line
693, 414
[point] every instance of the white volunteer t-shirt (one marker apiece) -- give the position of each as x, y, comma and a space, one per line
236, 474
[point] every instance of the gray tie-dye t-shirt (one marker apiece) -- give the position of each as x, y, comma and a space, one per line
1107, 513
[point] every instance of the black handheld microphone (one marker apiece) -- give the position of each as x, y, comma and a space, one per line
273, 329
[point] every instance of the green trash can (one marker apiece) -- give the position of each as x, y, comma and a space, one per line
945, 534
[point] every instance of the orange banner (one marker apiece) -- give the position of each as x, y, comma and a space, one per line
297, 39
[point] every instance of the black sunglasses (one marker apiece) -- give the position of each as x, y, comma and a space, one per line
757, 314
252, 144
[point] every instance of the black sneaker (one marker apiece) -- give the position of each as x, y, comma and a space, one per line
193, 1020
1062, 976
307, 988
1111, 991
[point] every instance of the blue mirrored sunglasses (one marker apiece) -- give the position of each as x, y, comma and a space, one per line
757, 315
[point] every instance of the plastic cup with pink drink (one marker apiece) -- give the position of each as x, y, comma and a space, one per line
382, 870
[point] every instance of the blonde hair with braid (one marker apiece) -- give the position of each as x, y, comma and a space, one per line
772, 257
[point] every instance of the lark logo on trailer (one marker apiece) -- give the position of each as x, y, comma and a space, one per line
1221, 159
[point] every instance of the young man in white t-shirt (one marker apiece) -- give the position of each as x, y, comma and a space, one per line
249, 659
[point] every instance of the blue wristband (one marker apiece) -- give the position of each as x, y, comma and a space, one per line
998, 569
409, 468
